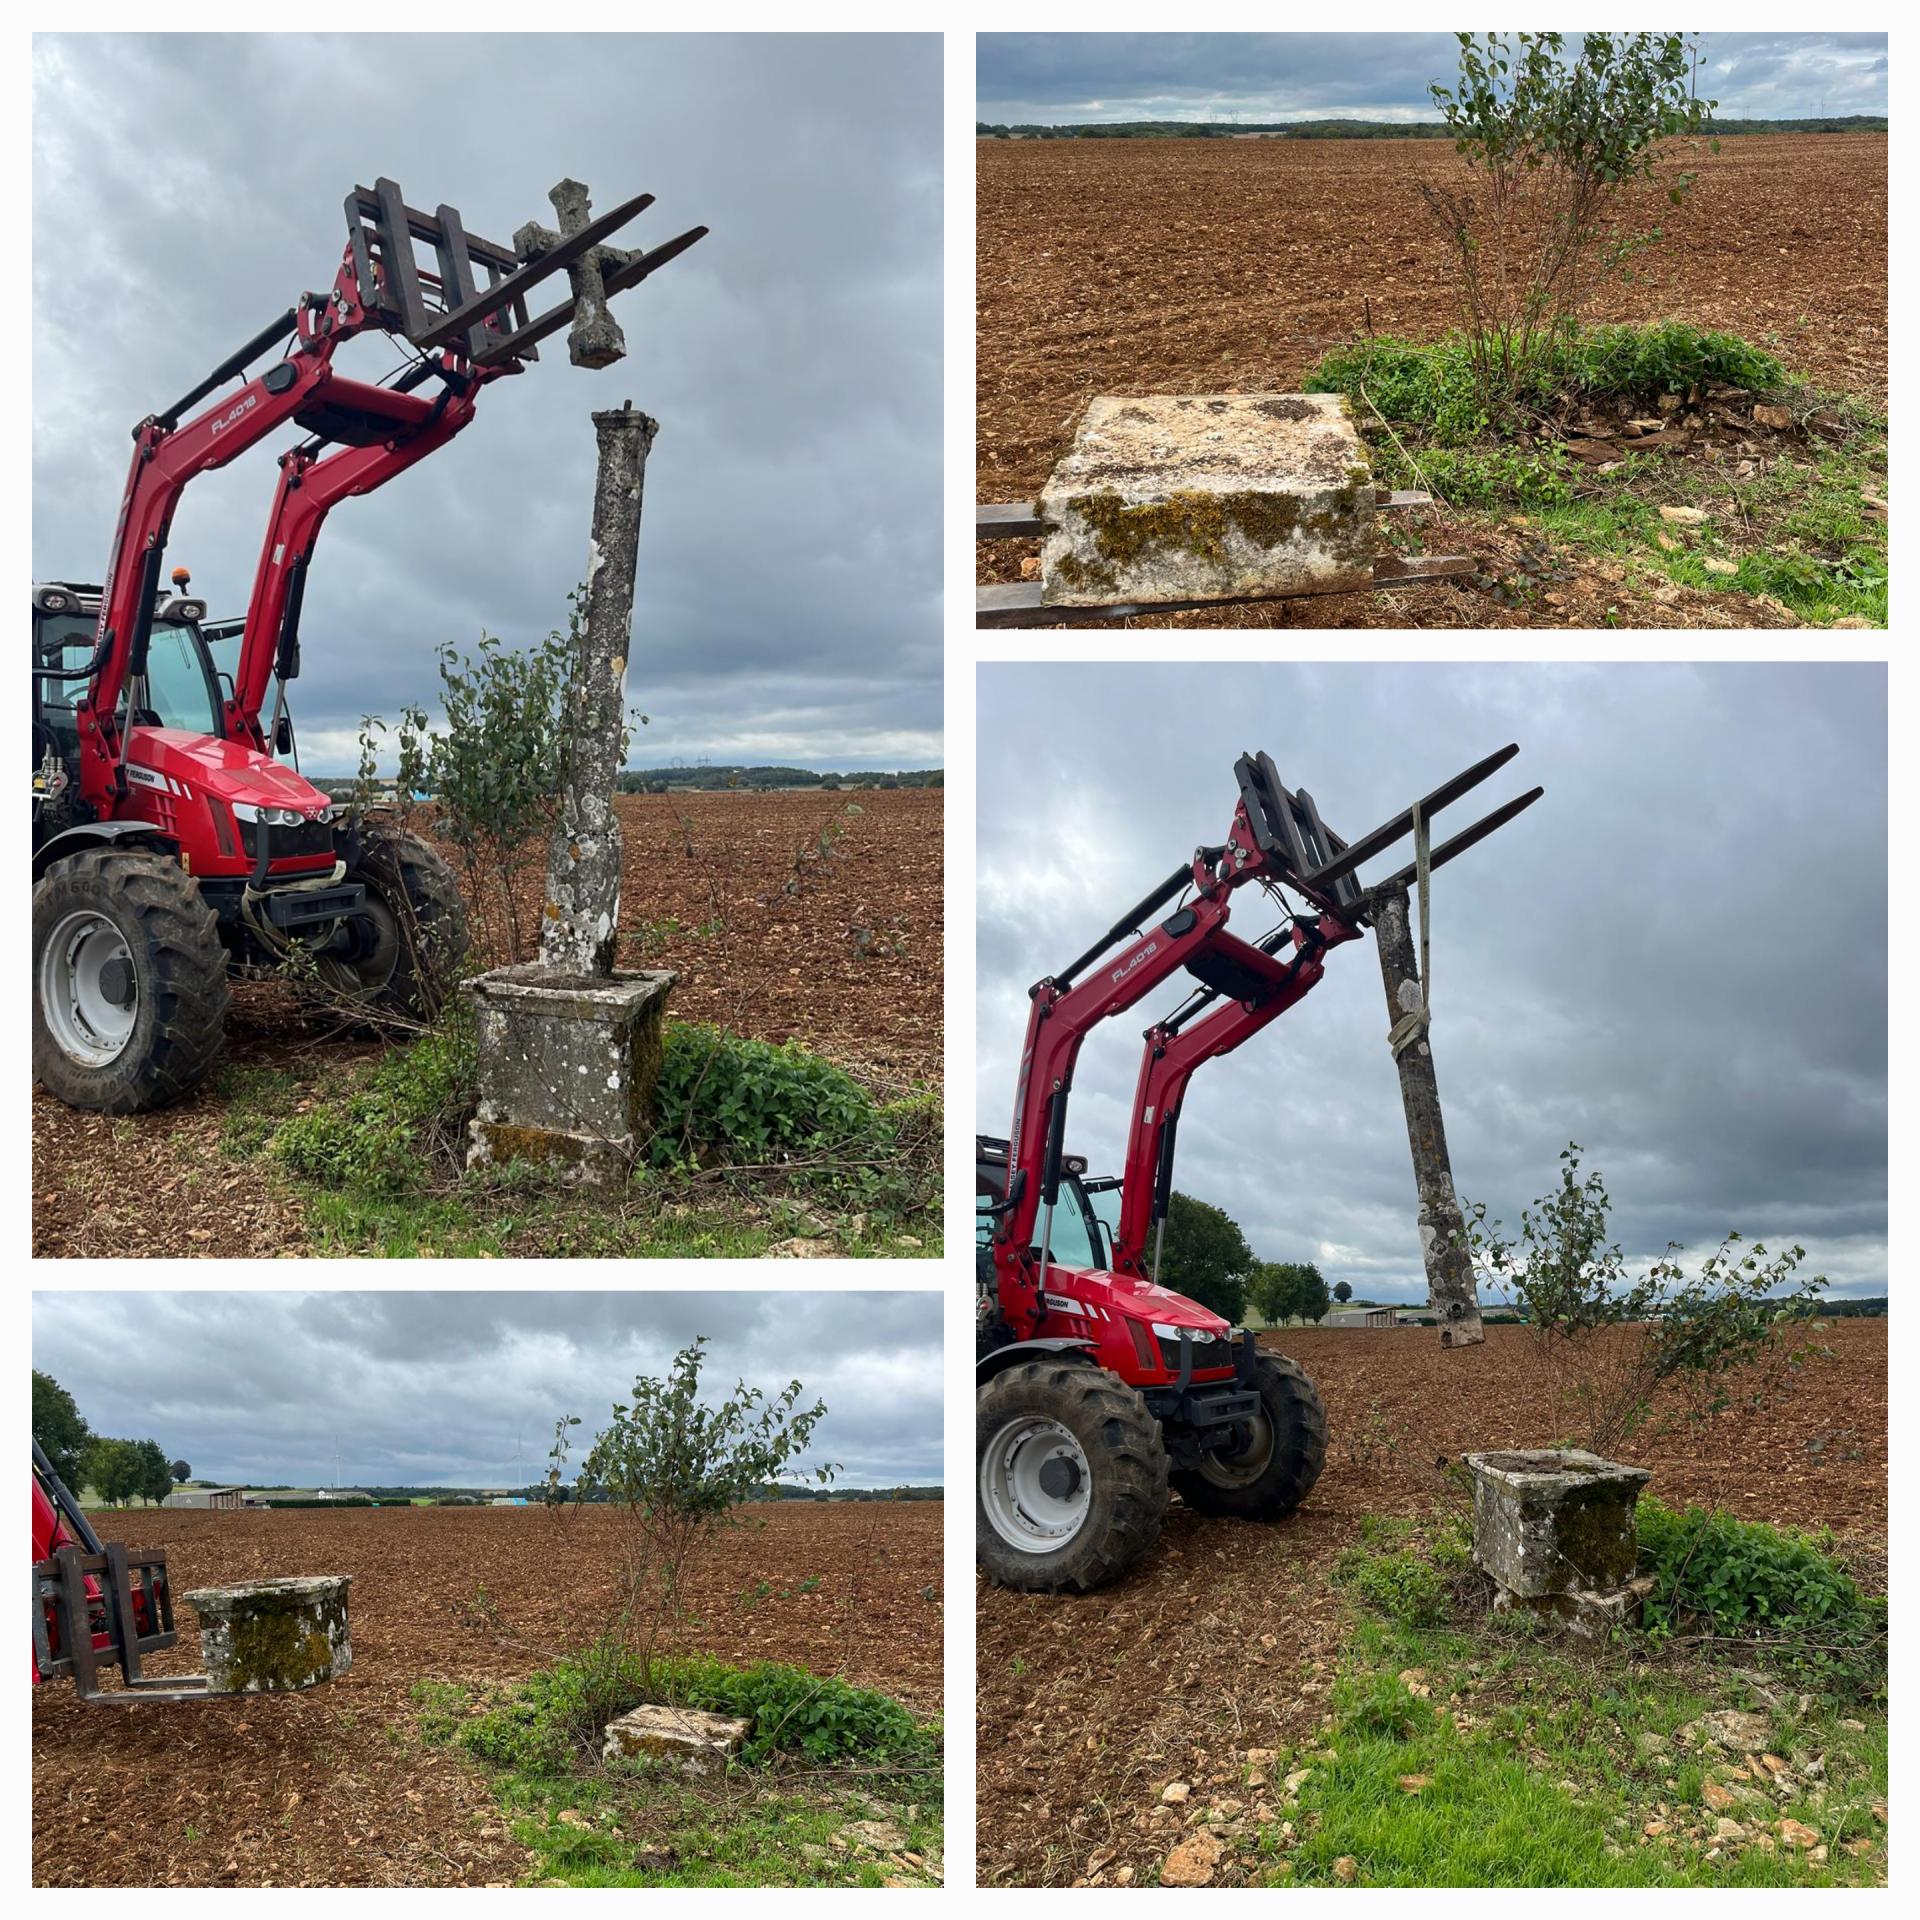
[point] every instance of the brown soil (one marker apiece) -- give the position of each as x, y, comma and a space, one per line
849, 962
1227, 1638
1174, 266
333, 1787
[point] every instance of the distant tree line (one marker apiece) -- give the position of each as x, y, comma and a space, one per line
732, 779
116, 1472
1367, 129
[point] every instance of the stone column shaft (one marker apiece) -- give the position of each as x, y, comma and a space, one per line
1443, 1230
581, 922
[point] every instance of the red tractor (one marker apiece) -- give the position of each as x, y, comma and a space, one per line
175, 840
1100, 1391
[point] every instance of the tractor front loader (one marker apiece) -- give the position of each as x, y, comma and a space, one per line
1100, 1392
175, 840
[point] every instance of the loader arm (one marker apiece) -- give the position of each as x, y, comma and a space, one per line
1172, 1052
310, 486
1276, 839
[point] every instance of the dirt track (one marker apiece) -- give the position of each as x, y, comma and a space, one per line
331, 1787
751, 956
1212, 1646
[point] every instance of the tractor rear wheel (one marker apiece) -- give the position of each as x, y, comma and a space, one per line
412, 936
1072, 1477
129, 981
1280, 1454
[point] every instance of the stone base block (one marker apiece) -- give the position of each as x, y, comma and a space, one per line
568, 1068
1209, 497
274, 1636
1555, 1521
1589, 1615
675, 1733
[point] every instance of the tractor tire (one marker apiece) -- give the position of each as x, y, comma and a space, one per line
420, 936
1098, 1511
129, 981
1276, 1469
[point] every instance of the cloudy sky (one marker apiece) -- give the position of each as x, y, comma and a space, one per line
462, 1389
1677, 958
188, 187
1064, 78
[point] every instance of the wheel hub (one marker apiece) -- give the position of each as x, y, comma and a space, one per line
1035, 1484
89, 993
1242, 1463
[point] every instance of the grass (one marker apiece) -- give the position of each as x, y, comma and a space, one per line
1798, 530
837, 1786
759, 1147
1469, 1751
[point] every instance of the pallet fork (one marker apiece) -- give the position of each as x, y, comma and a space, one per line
97, 1606
1018, 604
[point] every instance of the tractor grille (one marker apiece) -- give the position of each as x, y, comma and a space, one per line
288, 843
1206, 1352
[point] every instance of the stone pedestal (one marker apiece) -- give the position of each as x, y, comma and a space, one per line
1209, 497
685, 1734
1554, 1530
568, 1066
274, 1636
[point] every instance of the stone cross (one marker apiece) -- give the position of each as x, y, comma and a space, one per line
595, 339
1443, 1230
580, 925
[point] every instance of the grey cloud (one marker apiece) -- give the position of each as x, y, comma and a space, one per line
1677, 958
188, 186
464, 1388
1065, 78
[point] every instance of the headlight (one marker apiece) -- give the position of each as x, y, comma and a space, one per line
270, 816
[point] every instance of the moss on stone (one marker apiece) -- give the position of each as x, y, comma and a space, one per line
277, 1647
1199, 523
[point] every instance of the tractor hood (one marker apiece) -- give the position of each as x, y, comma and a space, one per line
223, 770
1130, 1298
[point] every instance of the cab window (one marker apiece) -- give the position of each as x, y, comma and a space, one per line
177, 690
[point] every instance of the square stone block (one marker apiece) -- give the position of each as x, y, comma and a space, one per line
568, 1067
1555, 1521
274, 1636
1209, 497
686, 1734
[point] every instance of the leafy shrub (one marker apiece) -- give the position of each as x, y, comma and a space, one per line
1746, 1580
794, 1711
1404, 1586
751, 1102
560, 1713
380, 1139
1434, 388
729, 1101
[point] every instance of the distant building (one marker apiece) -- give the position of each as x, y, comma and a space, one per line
234, 1497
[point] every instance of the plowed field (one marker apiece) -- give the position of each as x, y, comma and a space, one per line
770, 937
333, 1787
1196, 266
1224, 1639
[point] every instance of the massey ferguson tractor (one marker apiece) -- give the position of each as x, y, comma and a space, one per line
175, 841
1101, 1391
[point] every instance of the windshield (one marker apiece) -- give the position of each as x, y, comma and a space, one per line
177, 691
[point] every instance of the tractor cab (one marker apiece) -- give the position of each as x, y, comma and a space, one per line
182, 688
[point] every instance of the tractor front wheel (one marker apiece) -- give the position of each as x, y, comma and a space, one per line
410, 940
1278, 1457
1072, 1477
129, 981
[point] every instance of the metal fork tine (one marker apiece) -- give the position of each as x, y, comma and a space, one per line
1470, 836
484, 305
1369, 844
